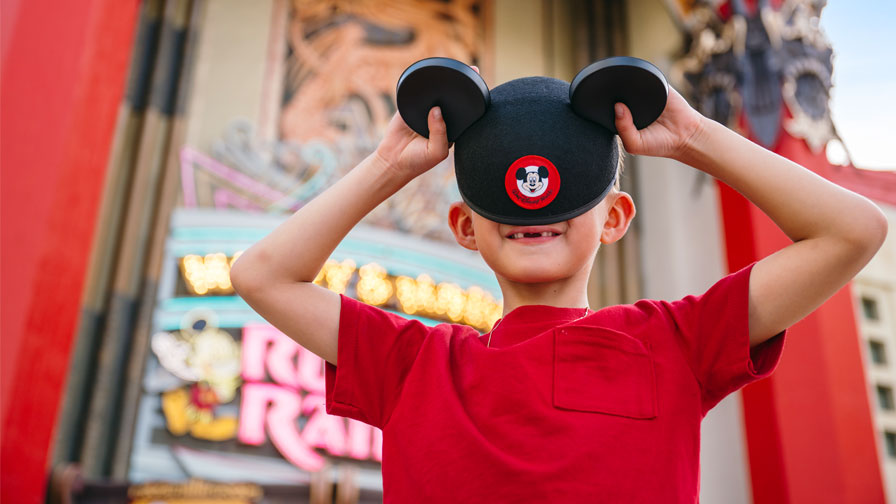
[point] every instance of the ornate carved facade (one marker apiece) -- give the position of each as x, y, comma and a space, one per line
759, 61
340, 69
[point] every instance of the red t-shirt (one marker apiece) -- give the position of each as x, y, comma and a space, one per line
605, 408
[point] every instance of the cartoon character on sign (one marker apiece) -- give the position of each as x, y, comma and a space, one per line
208, 359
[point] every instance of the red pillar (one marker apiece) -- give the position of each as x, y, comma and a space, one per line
809, 428
63, 75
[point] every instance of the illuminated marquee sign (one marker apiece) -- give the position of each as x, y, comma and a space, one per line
210, 275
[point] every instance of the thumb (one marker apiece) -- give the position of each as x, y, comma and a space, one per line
438, 134
625, 126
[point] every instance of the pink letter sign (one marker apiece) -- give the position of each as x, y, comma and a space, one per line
278, 406
281, 422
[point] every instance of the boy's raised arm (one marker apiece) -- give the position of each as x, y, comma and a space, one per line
275, 275
835, 231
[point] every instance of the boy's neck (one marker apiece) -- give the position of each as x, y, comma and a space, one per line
569, 292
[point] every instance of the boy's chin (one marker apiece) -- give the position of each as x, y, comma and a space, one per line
535, 277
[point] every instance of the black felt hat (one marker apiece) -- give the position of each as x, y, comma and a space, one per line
534, 150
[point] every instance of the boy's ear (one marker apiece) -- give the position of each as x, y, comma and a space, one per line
460, 219
620, 212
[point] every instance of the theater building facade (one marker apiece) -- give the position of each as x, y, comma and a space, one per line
232, 114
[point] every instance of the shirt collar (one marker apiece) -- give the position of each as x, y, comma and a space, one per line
524, 322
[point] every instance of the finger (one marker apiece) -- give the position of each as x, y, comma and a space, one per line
474, 67
625, 126
438, 133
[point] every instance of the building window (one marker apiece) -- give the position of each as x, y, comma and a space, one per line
878, 352
885, 397
890, 440
869, 308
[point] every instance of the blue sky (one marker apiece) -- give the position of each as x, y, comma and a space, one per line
863, 35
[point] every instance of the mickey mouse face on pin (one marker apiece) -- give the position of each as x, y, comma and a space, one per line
532, 182
534, 150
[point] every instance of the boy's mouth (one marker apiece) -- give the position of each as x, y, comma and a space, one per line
532, 233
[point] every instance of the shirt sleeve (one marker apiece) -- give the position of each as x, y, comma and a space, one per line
376, 349
713, 331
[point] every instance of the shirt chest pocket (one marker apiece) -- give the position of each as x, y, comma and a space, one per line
603, 371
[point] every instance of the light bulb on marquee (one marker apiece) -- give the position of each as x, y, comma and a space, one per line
374, 287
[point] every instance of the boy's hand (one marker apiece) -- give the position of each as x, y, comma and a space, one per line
669, 136
407, 154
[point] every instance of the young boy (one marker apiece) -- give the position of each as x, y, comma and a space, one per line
557, 403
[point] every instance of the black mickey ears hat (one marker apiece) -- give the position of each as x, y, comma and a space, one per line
534, 150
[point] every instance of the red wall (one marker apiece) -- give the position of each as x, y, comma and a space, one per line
63, 74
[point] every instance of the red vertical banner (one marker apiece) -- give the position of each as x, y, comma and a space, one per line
63, 76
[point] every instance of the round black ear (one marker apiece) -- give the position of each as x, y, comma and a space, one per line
543, 172
520, 173
444, 82
596, 89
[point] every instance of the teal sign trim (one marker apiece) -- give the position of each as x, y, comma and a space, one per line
231, 311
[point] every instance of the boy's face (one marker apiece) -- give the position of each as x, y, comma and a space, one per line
546, 253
